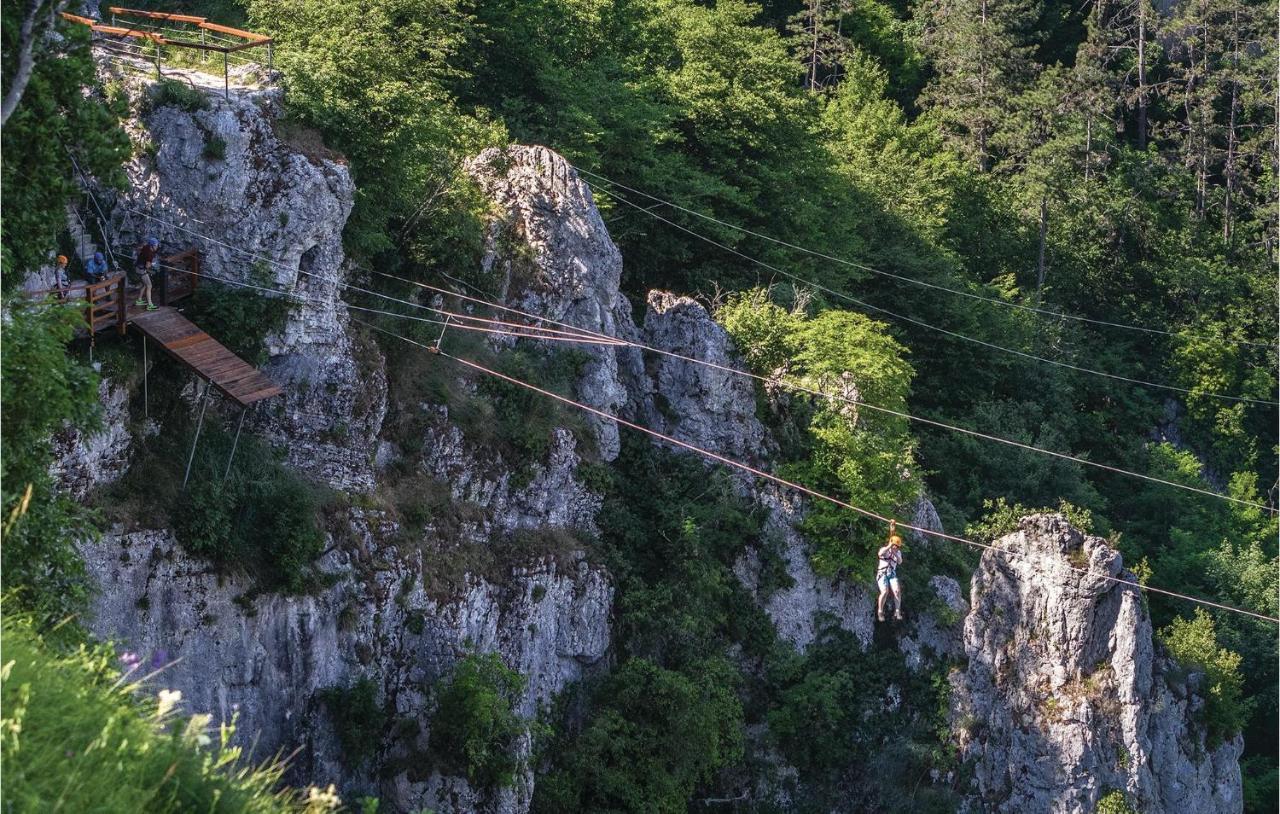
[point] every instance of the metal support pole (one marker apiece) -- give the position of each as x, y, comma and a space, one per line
204, 403
226, 80
440, 338
234, 442
146, 395
204, 55
271, 56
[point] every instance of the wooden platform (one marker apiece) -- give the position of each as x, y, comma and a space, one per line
235, 378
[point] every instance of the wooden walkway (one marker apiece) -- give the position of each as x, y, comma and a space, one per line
235, 378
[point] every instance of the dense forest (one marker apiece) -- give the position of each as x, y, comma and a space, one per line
1052, 222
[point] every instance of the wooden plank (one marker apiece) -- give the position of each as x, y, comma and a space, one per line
235, 32
232, 376
156, 15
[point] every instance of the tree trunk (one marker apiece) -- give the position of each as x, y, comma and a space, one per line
815, 7
1088, 145
1041, 268
1142, 74
30, 30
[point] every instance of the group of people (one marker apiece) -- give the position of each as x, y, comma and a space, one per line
146, 265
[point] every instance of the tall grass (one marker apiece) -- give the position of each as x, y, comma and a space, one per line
82, 733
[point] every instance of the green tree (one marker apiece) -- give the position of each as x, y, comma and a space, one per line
981, 58
58, 112
373, 77
1193, 642
864, 455
44, 390
475, 728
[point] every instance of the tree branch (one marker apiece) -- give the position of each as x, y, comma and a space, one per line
34, 24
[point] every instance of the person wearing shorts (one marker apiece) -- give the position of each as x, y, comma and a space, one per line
890, 557
145, 264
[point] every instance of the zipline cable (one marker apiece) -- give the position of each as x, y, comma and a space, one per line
582, 331
855, 402
922, 324
912, 280
806, 490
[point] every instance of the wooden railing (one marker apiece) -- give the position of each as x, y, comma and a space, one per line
105, 303
179, 276
148, 25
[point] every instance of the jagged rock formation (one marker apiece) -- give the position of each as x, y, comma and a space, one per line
552, 252
264, 658
86, 461
269, 214
389, 613
1066, 696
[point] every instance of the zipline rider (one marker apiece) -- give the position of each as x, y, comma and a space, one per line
890, 557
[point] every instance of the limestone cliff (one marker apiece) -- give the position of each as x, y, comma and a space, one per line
402, 602
1066, 697
263, 212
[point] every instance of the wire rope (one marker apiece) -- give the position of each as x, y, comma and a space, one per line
760, 473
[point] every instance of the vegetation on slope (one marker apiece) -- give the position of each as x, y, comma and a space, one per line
1083, 175
81, 733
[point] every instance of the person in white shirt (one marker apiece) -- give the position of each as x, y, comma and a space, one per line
890, 557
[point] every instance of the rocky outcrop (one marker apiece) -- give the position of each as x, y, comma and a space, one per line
1066, 697
716, 411
553, 255
84, 461
264, 658
264, 213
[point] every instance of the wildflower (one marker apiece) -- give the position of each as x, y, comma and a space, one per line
130, 661
168, 699
159, 658
195, 731
326, 799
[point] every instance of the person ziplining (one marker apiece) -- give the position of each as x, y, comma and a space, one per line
889, 558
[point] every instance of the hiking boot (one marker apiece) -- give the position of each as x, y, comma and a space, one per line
880, 615
140, 302
897, 615
157, 308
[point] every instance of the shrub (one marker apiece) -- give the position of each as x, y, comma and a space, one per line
1114, 802
44, 388
1194, 644
358, 719
215, 149
241, 318
78, 737
173, 93
1002, 518
654, 735
476, 727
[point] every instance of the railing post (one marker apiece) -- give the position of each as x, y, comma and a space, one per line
163, 274
195, 271
122, 306
226, 80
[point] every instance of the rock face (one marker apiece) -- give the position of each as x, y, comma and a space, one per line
85, 461
555, 258
1066, 697
265, 213
265, 658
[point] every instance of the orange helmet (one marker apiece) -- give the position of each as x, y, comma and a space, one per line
894, 539
62, 260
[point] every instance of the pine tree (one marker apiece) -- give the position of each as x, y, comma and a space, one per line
980, 59
817, 41
1121, 45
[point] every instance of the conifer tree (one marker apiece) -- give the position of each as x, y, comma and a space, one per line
981, 59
